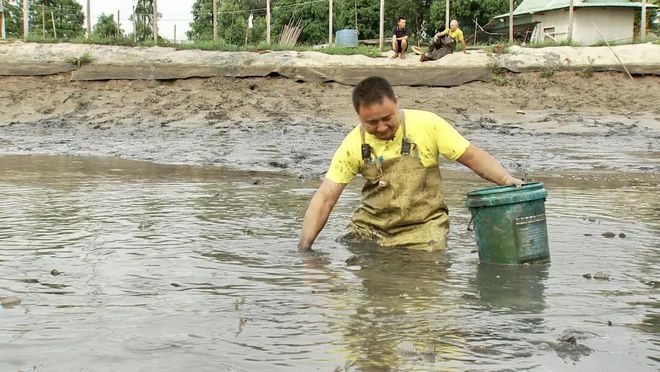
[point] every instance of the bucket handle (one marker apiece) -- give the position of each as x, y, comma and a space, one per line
472, 220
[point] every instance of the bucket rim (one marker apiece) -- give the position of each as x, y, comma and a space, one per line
504, 189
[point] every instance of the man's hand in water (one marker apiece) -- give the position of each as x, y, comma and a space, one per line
512, 181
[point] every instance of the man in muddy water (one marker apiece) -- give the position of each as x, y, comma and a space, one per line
400, 35
396, 151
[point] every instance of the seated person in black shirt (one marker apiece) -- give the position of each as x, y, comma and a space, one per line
400, 36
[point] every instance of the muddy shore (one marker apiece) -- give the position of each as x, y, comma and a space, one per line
567, 121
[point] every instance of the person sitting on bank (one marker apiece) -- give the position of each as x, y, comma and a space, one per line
444, 43
454, 32
400, 35
396, 151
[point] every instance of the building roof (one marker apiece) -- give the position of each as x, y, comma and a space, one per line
536, 6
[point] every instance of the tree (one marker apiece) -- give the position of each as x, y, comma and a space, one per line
106, 27
68, 16
142, 18
13, 20
232, 21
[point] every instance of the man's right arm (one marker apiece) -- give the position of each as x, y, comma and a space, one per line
318, 212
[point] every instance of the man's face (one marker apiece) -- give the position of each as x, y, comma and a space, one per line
453, 26
380, 119
402, 23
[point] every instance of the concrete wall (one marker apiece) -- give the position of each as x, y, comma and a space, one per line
616, 24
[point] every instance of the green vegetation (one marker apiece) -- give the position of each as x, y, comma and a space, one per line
84, 59
588, 70
106, 27
500, 80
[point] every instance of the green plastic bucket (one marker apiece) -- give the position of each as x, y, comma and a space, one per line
509, 223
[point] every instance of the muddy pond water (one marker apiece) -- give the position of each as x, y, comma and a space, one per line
128, 265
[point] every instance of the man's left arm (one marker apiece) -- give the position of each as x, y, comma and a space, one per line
487, 167
463, 43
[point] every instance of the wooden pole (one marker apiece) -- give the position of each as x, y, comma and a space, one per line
118, 24
571, 15
476, 26
52, 18
268, 22
330, 22
3, 30
215, 20
155, 21
382, 25
89, 20
25, 20
511, 21
43, 21
447, 14
175, 33
642, 29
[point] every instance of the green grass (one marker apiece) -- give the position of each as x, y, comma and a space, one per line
84, 59
551, 43
500, 80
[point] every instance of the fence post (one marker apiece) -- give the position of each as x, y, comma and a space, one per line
382, 25
89, 20
118, 24
215, 20
571, 15
43, 21
268, 22
642, 31
155, 21
3, 30
330, 23
25, 20
52, 18
447, 14
511, 21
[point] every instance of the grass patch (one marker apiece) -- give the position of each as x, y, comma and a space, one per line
500, 80
84, 59
552, 43
588, 70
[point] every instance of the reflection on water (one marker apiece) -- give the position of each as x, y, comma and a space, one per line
195, 268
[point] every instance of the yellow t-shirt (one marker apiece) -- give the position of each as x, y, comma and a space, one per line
432, 135
457, 35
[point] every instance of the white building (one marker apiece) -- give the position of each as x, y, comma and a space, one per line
615, 19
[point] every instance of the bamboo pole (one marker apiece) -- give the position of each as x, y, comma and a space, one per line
511, 21
52, 18
89, 20
447, 14
571, 17
268, 22
175, 33
3, 30
330, 22
26, 27
215, 20
382, 25
155, 21
118, 24
613, 52
642, 30
43, 21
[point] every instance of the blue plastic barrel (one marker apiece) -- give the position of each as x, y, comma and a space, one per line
347, 38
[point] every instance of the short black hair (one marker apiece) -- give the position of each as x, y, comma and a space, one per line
400, 18
372, 90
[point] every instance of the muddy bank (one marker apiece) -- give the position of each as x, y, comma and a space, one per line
534, 125
113, 62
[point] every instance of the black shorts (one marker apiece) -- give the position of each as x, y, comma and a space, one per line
398, 46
